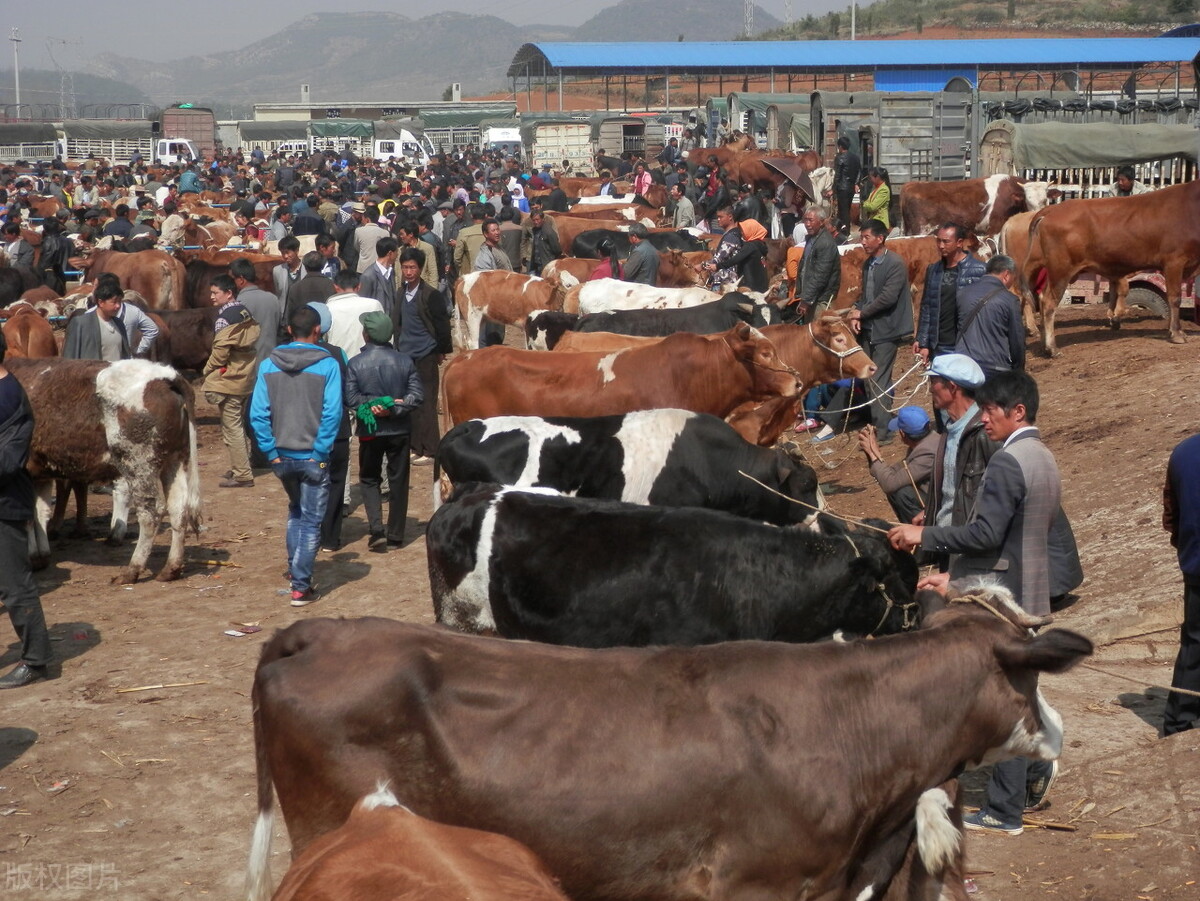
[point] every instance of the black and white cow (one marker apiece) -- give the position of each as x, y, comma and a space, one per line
674, 458
544, 328
533, 564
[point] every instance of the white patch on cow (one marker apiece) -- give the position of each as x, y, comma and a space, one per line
604, 295
123, 384
646, 437
469, 281
567, 280
866, 894
606, 363
1041, 744
538, 431
991, 185
937, 837
838, 637
844, 249
473, 591
381, 797
694, 232
1049, 746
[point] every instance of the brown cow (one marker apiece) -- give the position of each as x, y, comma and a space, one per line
822, 352
1115, 237
684, 371
208, 234
700, 787
132, 421
202, 265
676, 268
385, 852
502, 297
918, 252
154, 274
28, 333
569, 227
981, 205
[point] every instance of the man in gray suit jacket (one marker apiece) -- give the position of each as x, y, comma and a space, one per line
379, 280
1006, 537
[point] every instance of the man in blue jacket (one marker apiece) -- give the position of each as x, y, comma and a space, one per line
937, 330
1181, 517
295, 413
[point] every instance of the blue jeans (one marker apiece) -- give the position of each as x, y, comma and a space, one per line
307, 485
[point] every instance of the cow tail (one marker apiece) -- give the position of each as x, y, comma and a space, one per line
258, 870
192, 513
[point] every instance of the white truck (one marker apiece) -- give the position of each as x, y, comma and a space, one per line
117, 141
401, 138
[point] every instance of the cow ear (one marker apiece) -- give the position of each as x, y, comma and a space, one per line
1055, 651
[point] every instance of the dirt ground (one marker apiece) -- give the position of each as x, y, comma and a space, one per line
149, 794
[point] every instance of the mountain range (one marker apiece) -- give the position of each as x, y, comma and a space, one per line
377, 55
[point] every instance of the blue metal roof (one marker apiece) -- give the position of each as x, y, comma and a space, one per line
809, 56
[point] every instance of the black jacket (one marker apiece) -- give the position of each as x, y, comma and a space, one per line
381, 371
431, 307
749, 259
16, 433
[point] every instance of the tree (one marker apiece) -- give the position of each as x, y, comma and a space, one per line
1012, 9
835, 24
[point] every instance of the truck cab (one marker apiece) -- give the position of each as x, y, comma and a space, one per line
417, 150
175, 150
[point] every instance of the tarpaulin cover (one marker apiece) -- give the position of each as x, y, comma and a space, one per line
389, 129
465, 118
1060, 145
27, 133
341, 128
280, 130
107, 129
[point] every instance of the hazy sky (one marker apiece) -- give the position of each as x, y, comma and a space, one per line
158, 30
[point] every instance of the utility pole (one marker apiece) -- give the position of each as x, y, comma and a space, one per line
787, 12
853, 18
16, 41
748, 17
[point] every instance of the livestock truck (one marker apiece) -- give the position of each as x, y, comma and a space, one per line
117, 140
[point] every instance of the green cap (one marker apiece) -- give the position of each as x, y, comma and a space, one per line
378, 326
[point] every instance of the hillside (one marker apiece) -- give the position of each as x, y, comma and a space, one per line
887, 18
42, 87
695, 20
367, 55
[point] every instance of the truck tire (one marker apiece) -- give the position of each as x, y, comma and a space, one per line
1149, 300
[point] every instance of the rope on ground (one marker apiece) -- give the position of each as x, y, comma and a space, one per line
1143, 682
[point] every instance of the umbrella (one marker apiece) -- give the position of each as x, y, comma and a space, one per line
790, 169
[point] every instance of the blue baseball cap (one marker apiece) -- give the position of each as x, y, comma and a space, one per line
323, 314
957, 368
912, 421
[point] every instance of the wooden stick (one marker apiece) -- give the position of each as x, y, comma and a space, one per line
121, 691
219, 563
115, 760
1048, 824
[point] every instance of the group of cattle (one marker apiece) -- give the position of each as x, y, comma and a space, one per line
637, 708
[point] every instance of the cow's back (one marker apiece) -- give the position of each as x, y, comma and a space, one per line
69, 439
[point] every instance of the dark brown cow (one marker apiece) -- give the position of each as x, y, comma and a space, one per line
154, 274
683, 371
568, 228
1115, 237
733, 771
184, 337
130, 421
28, 333
981, 205
385, 852
202, 265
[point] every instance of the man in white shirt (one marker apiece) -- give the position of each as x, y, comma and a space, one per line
345, 307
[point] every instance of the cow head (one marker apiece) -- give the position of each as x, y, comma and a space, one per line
842, 356
769, 375
543, 328
1009, 702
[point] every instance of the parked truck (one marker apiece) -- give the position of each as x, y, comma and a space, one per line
190, 123
117, 140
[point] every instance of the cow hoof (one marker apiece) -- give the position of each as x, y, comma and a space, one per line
1115, 324
169, 575
128, 576
1178, 338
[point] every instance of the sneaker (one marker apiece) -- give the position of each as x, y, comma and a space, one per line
304, 598
378, 543
807, 425
1036, 791
420, 460
824, 435
985, 822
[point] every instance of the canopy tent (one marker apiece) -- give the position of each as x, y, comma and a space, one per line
1057, 145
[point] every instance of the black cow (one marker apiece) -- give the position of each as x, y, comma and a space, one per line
544, 329
533, 564
672, 458
586, 243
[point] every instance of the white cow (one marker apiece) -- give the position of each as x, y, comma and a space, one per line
607, 294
